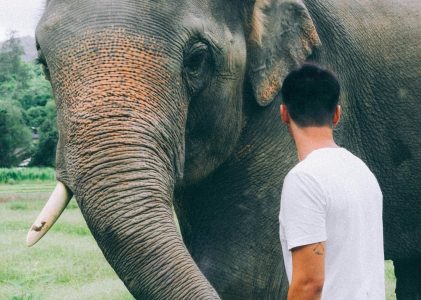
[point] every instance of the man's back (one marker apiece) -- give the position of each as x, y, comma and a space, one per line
332, 196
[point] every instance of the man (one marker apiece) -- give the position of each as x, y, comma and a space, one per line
331, 206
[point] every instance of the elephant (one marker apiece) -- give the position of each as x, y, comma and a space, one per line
166, 105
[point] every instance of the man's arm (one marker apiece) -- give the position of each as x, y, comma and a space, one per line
308, 264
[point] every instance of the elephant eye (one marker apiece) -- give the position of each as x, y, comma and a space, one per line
197, 66
196, 60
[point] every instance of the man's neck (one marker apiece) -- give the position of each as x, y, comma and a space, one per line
308, 139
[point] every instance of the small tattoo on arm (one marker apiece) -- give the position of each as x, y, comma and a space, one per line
319, 249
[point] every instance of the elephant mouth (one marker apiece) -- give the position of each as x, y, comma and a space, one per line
52, 210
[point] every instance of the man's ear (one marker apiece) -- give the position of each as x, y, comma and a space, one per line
284, 114
281, 37
337, 115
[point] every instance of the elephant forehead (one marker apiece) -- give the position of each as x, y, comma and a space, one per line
114, 9
106, 45
63, 19
109, 65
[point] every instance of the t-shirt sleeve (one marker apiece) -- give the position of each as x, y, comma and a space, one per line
303, 210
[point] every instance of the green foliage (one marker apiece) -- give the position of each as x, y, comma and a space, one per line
11, 59
19, 175
15, 73
35, 116
46, 151
38, 91
26, 105
15, 137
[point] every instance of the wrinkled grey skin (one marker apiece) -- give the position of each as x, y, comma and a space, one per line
173, 102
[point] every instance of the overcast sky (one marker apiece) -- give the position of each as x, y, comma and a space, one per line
19, 15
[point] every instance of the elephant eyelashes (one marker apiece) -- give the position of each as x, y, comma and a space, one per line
40, 60
197, 66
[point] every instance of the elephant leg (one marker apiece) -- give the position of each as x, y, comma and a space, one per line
408, 279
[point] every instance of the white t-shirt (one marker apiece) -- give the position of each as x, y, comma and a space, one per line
332, 196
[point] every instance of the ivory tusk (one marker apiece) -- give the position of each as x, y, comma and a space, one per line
49, 214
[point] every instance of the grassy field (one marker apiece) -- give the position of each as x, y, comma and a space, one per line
29, 175
66, 263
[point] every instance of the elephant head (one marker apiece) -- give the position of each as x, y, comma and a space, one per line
151, 95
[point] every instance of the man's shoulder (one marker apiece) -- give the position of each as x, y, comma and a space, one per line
302, 175
321, 165
298, 170
334, 169
327, 161
310, 166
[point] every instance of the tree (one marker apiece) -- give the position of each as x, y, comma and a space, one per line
15, 74
27, 96
38, 91
45, 152
15, 136
35, 116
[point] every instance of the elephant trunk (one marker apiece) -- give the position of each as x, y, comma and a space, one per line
134, 226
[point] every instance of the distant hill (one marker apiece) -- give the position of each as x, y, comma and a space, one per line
28, 43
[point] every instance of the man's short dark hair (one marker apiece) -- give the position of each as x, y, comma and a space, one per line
311, 94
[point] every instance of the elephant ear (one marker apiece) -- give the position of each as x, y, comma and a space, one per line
281, 36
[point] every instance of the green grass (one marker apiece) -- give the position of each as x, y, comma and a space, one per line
66, 263
390, 280
20, 175
25, 192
